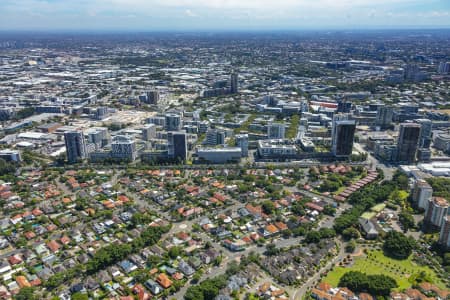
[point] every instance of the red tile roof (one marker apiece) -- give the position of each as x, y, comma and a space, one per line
15, 259
281, 225
65, 240
271, 228
164, 281
53, 246
22, 281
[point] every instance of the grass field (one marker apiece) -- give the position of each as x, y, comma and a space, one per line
378, 208
377, 263
368, 215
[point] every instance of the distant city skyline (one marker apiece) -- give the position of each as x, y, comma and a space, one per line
179, 15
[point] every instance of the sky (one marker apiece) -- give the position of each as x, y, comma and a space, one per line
210, 15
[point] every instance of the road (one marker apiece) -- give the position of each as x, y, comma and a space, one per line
374, 163
255, 165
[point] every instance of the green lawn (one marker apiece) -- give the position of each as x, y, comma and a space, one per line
368, 215
378, 208
340, 190
377, 263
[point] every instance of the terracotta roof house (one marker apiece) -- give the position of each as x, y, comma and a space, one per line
416, 294
323, 286
281, 226
427, 287
15, 259
164, 281
22, 281
365, 296
53, 246
36, 282
177, 276
29, 235
37, 212
272, 229
320, 295
65, 240
314, 206
399, 296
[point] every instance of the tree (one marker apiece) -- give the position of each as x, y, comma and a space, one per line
379, 285
55, 281
194, 293
286, 233
140, 219
407, 220
350, 247
447, 259
346, 220
441, 186
26, 293
350, 233
174, 252
268, 207
291, 132
329, 186
232, 268
355, 281
326, 233
79, 296
196, 227
421, 277
298, 209
6, 167
207, 289
329, 210
312, 237
196, 278
218, 261
271, 249
399, 197
401, 180
398, 245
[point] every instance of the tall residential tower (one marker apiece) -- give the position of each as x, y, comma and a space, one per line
75, 146
342, 135
408, 142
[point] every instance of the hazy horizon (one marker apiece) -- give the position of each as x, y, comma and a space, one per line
222, 15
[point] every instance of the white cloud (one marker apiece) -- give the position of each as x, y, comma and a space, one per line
190, 13
259, 4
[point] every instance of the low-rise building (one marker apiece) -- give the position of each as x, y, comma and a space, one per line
219, 155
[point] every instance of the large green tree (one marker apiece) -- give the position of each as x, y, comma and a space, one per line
26, 293
407, 220
398, 245
379, 285
354, 280
79, 296
268, 207
351, 233
206, 290
312, 237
